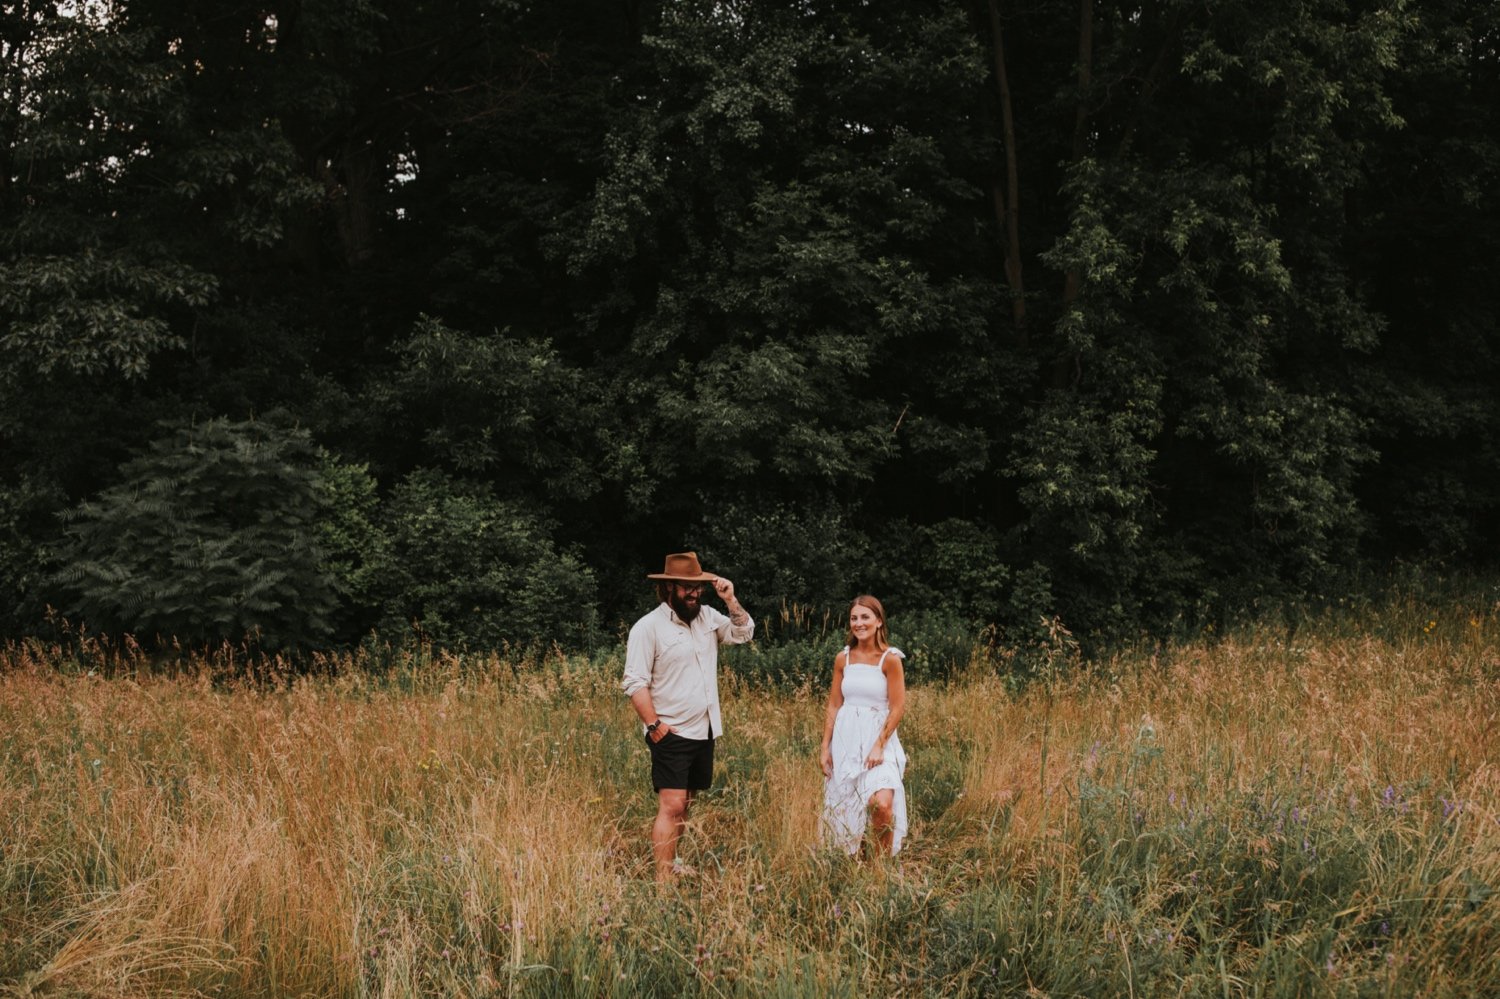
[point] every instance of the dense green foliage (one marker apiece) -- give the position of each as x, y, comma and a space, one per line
1129, 315
211, 533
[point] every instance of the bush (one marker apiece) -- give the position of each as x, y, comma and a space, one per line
355, 545
472, 570
813, 554
210, 536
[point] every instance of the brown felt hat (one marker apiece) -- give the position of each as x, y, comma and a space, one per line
683, 567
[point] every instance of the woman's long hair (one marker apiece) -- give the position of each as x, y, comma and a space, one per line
882, 637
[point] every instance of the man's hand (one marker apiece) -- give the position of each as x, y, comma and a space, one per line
660, 733
724, 588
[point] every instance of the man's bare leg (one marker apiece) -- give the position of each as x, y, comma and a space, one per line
671, 815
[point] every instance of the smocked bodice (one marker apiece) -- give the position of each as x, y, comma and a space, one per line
864, 686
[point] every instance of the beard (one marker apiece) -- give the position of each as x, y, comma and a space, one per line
685, 609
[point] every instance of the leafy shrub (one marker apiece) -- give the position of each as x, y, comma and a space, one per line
210, 535
810, 554
954, 564
27, 524
470, 569
354, 544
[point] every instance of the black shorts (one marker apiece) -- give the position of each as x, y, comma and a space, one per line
680, 763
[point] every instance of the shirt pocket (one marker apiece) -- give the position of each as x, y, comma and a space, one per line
674, 648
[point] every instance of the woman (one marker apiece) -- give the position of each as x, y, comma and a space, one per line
862, 756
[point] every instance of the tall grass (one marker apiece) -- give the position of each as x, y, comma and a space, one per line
1231, 816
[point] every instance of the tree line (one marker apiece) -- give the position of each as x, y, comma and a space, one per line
332, 316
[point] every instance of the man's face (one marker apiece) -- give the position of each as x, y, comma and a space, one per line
686, 599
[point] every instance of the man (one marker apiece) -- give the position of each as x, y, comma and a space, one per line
672, 680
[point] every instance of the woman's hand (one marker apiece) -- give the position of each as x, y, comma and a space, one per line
825, 760
876, 757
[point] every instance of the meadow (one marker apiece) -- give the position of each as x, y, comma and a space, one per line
1246, 814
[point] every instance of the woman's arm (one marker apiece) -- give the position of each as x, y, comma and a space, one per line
835, 701
895, 693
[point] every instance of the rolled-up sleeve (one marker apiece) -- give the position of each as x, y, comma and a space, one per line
736, 634
640, 651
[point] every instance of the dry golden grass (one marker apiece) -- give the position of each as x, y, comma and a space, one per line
464, 827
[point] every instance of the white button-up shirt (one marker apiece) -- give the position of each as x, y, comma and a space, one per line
679, 664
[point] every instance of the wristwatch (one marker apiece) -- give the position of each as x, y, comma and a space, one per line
653, 726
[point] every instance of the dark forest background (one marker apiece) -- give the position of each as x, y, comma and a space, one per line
329, 317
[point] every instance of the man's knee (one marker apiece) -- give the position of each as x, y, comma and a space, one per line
672, 803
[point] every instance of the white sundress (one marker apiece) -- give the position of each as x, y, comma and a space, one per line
846, 795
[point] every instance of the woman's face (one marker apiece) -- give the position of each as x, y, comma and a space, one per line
863, 622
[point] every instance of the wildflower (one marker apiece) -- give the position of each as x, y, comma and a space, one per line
837, 910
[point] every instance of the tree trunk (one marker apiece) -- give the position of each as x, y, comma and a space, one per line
1007, 205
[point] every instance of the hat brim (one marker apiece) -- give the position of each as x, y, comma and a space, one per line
702, 577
